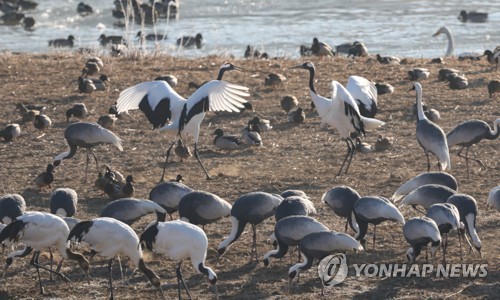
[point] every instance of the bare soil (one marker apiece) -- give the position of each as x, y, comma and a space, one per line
303, 156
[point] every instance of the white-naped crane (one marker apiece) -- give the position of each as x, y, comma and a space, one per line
201, 208
290, 231
129, 210
427, 195
318, 245
253, 208
447, 218
430, 136
419, 232
166, 110
39, 230
11, 207
86, 135
469, 133
494, 198
169, 194
341, 200
373, 210
63, 202
467, 207
180, 240
441, 178
365, 94
109, 238
341, 112
294, 206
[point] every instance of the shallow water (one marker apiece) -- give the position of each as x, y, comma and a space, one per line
279, 27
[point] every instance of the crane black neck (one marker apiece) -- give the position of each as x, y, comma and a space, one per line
311, 80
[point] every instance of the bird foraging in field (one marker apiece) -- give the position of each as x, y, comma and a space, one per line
182, 150
10, 132
167, 110
11, 207
493, 88
419, 232
45, 178
288, 103
42, 122
79, 110
341, 112
430, 136
440, 178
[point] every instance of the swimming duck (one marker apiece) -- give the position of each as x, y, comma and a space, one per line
190, 41
60, 43
473, 16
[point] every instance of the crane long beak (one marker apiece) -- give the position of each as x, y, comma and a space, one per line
239, 69
435, 34
297, 67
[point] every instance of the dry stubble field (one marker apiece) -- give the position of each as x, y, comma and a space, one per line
302, 157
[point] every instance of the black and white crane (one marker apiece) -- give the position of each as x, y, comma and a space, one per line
86, 135
430, 136
38, 230
447, 218
168, 195
201, 208
11, 207
180, 240
253, 208
129, 210
419, 232
341, 112
63, 202
341, 200
373, 210
109, 238
167, 110
427, 195
365, 94
318, 245
290, 231
469, 133
467, 207
441, 178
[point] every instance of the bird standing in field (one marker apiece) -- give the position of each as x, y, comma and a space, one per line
341, 112
182, 150
180, 240
86, 135
427, 195
469, 133
365, 94
79, 110
297, 116
430, 136
37, 230
341, 200
169, 194
447, 218
109, 238
10, 132
45, 178
201, 208
42, 122
167, 110
129, 210
321, 49
441, 178
419, 232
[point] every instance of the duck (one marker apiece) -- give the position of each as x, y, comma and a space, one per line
79, 110
128, 189
251, 52
12, 18
110, 39
107, 121
473, 16
151, 36
445, 72
384, 88
85, 85
99, 83
42, 122
28, 23
61, 43
91, 68
10, 132
358, 49
297, 116
250, 136
27, 114
305, 51
383, 143
321, 49
418, 74
457, 82
493, 88
84, 9
170, 79
363, 147
182, 150
45, 178
228, 142
288, 103
274, 79
386, 60
118, 50
263, 124
190, 41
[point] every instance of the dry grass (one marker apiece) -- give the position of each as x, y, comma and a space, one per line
293, 157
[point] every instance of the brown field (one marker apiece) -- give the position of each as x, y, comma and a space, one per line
302, 157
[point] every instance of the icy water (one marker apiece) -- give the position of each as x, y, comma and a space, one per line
279, 27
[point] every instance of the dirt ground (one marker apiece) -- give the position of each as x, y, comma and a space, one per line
303, 156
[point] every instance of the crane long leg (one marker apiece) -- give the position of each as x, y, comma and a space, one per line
197, 158
34, 261
374, 236
345, 157
352, 150
428, 162
95, 157
254, 242
467, 157
166, 160
181, 280
87, 165
110, 270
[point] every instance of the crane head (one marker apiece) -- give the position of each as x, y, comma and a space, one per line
307, 66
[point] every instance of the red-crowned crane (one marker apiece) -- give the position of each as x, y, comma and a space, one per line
167, 110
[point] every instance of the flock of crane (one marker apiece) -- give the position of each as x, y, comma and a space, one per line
350, 111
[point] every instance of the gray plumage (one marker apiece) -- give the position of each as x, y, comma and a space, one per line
373, 210
469, 133
289, 231
129, 210
447, 218
419, 232
79, 110
341, 200
441, 178
251, 208
201, 208
63, 202
293, 206
494, 198
430, 136
168, 195
467, 207
251, 137
427, 195
11, 206
10, 132
228, 142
